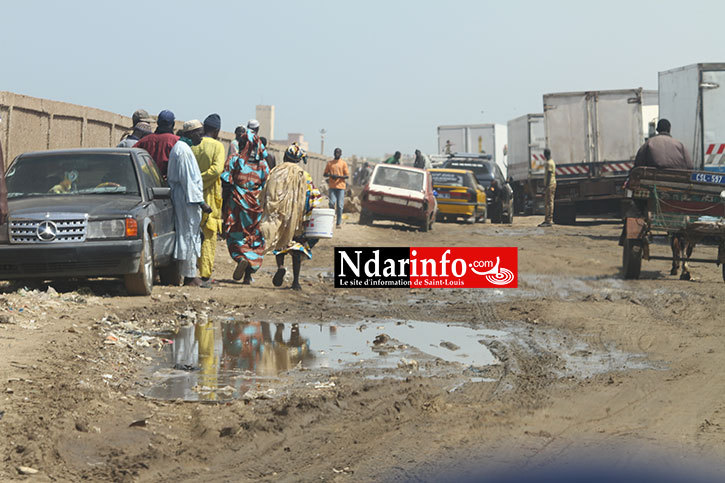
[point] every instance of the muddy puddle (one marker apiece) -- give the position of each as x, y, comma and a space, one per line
221, 360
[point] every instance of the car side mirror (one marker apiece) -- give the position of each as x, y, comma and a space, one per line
159, 193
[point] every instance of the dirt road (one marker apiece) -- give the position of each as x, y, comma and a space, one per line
576, 358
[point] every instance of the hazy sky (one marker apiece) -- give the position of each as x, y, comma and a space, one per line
377, 75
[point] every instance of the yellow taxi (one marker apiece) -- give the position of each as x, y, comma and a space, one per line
458, 195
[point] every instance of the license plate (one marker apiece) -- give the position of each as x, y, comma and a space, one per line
444, 195
396, 201
708, 178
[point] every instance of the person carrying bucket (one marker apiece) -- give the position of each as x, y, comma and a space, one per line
287, 201
337, 173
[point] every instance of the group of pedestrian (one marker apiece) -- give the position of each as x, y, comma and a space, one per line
195, 164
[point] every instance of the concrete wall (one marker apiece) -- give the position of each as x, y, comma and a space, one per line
35, 124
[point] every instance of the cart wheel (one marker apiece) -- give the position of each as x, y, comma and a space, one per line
632, 258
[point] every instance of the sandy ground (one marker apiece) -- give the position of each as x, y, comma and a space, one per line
589, 361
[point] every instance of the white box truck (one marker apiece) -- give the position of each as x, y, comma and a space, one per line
526, 162
594, 137
475, 138
692, 98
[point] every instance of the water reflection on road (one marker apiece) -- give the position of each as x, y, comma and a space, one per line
213, 361
223, 360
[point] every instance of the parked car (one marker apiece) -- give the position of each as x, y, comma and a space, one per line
499, 195
88, 213
459, 195
399, 193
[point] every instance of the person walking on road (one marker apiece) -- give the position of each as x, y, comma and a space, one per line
210, 157
247, 173
187, 197
337, 172
549, 188
287, 200
663, 151
394, 159
160, 143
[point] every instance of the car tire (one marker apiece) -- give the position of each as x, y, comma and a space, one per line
496, 213
171, 274
142, 282
426, 225
365, 218
509, 216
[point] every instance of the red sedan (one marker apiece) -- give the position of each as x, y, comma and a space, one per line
399, 193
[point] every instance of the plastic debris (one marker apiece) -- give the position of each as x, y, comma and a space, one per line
410, 364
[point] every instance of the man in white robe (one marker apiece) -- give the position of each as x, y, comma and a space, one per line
187, 196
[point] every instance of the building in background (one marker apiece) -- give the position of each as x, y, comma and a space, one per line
265, 116
299, 138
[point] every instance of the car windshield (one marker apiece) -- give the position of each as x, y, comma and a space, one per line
481, 171
399, 178
447, 178
72, 174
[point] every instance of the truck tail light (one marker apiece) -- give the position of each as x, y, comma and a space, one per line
131, 227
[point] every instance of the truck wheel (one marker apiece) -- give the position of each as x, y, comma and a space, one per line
632, 259
171, 274
142, 282
365, 218
565, 214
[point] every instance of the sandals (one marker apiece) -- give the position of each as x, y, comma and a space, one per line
241, 269
278, 278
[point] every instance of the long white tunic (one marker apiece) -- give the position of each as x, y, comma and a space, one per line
187, 191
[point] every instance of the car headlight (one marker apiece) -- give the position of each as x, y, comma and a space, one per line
106, 229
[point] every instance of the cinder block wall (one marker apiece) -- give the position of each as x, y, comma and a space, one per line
35, 124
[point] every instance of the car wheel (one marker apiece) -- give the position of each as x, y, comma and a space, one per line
496, 213
171, 274
365, 218
510, 215
142, 282
426, 225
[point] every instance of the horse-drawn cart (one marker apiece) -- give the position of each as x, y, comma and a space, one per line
687, 206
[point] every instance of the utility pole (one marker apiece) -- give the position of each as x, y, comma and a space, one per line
323, 131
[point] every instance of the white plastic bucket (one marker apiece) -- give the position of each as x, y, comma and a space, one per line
320, 223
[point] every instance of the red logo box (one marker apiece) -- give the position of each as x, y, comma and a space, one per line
464, 267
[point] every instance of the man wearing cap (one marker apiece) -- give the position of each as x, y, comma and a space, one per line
140, 131
210, 158
253, 125
187, 196
139, 115
160, 143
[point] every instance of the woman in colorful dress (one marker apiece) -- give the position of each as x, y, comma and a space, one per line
288, 200
247, 172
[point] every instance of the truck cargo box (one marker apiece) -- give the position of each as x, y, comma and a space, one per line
692, 98
475, 138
